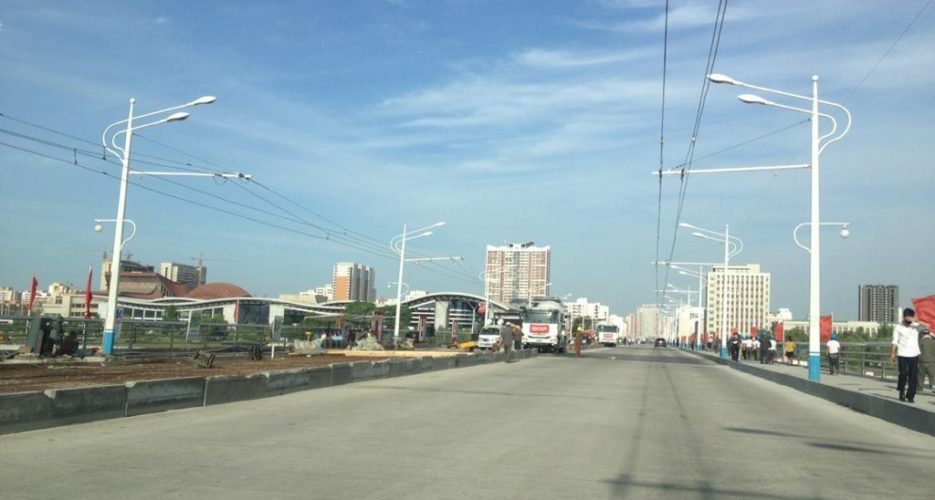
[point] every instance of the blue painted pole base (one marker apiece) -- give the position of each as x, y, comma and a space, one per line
814, 367
108, 345
724, 353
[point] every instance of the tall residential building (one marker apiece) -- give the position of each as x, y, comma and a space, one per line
190, 276
878, 303
518, 271
748, 293
353, 281
647, 321
581, 308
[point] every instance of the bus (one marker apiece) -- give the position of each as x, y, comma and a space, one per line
607, 335
544, 325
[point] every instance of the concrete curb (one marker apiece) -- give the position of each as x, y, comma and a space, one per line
892, 411
25, 411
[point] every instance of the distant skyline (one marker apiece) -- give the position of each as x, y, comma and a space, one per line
510, 120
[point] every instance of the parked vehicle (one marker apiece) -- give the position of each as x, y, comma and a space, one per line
660, 342
489, 335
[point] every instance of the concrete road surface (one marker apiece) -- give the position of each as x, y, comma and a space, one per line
628, 422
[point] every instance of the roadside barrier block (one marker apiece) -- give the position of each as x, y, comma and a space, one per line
361, 370
340, 373
464, 360
427, 364
287, 381
87, 404
500, 356
222, 389
151, 396
443, 363
397, 367
381, 369
319, 377
24, 411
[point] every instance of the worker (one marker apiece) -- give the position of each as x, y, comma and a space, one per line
506, 340
69, 345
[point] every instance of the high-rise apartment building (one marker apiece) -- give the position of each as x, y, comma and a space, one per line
190, 276
748, 295
518, 271
878, 303
581, 308
353, 281
647, 321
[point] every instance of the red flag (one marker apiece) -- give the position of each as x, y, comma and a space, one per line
780, 331
753, 331
825, 327
925, 309
87, 294
32, 291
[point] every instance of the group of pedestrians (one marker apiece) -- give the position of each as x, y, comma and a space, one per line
913, 348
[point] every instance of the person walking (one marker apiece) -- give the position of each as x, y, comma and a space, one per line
834, 351
905, 347
772, 350
734, 346
506, 341
789, 348
927, 361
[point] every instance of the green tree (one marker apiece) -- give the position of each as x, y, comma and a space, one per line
170, 314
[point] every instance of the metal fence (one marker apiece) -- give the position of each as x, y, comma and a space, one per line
864, 359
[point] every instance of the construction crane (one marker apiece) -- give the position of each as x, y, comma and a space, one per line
201, 266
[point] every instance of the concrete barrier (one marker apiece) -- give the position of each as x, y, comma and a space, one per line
443, 363
319, 377
284, 382
500, 356
397, 367
222, 389
427, 364
341, 373
86, 404
361, 370
381, 369
892, 411
463, 360
151, 396
24, 411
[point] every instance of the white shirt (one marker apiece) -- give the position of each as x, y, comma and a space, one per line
772, 345
906, 340
834, 347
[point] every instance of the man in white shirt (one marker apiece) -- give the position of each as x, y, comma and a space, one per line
834, 350
906, 348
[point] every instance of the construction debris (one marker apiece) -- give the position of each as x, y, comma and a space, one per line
309, 347
203, 360
367, 343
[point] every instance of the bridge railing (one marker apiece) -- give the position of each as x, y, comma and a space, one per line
863, 359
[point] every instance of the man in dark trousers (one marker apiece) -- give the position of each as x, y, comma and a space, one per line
506, 341
733, 345
905, 351
927, 361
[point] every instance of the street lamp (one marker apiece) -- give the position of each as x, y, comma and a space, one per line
732, 247
124, 155
398, 245
818, 145
391, 283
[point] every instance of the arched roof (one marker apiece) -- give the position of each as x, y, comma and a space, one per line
211, 291
432, 297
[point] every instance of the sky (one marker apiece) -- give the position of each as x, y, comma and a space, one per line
509, 120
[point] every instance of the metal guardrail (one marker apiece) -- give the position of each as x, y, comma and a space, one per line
863, 359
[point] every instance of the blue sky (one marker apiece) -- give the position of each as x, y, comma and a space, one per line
509, 120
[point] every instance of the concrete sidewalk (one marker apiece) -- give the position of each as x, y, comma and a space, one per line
874, 397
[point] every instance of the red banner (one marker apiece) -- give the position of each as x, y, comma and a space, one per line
753, 331
925, 309
32, 291
825, 327
87, 294
780, 331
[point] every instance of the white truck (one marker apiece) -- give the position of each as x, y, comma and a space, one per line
607, 335
489, 335
544, 325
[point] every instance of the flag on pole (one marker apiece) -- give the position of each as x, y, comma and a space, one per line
87, 294
825, 327
779, 329
925, 309
32, 292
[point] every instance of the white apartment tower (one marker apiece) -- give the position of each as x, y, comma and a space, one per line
518, 271
748, 292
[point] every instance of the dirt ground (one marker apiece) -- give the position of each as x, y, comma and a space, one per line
18, 377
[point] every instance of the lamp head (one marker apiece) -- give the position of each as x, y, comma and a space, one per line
845, 232
177, 117
721, 78
696, 234
438, 224
98, 227
752, 99
207, 99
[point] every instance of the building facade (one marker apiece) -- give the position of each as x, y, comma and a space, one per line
748, 296
878, 303
647, 321
581, 308
190, 276
353, 281
518, 271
